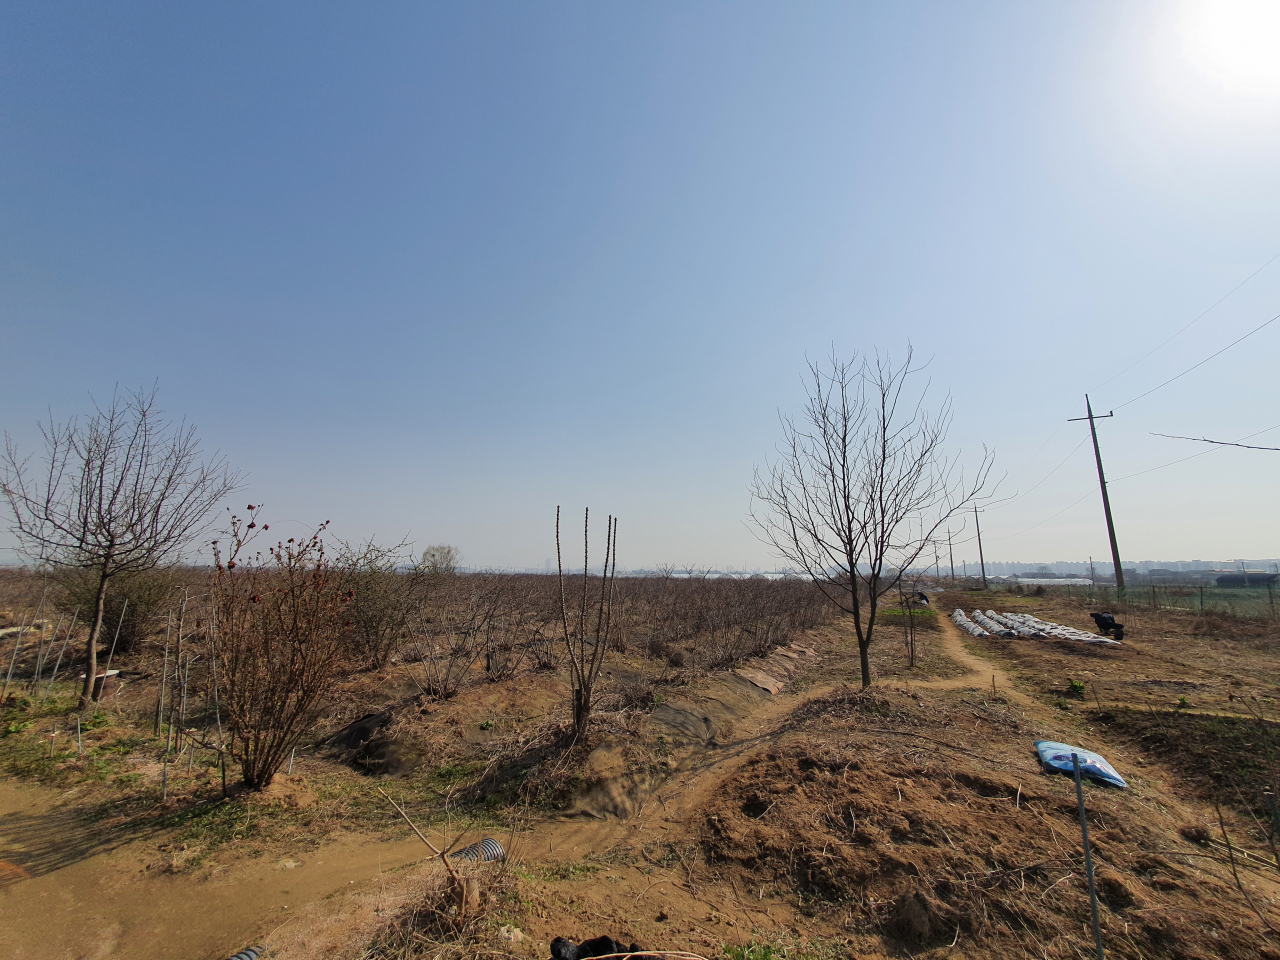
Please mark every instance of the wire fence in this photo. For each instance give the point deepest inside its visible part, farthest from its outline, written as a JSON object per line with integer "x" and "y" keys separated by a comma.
{"x": 1250, "y": 603}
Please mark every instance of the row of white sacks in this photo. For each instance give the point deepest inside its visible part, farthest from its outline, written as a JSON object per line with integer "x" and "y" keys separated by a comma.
{"x": 1012, "y": 625}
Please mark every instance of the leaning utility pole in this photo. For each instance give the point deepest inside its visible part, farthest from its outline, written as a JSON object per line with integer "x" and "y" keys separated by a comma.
{"x": 982, "y": 561}
{"x": 1106, "y": 502}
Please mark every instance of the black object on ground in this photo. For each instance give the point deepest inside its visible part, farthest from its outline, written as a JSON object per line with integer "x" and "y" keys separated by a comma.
{"x": 1107, "y": 625}
{"x": 563, "y": 949}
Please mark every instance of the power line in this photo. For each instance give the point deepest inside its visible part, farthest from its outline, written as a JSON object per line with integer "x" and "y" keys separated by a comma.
{"x": 1192, "y": 323}
{"x": 1220, "y": 443}
{"x": 1139, "y": 360}
{"x": 1031, "y": 458}
{"x": 1050, "y": 473}
{"x": 1073, "y": 503}
{"x": 1202, "y": 453}
{"x": 1129, "y": 476}
{"x": 1201, "y": 363}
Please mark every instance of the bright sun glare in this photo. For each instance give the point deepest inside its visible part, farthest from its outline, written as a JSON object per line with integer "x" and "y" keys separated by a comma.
{"x": 1235, "y": 44}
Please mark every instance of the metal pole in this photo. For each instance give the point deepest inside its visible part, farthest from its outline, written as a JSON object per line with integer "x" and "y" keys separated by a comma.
{"x": 1088, "y": 857}
{"x": 164, "y": 675}
{"x": 42, "y": 654}
{"x": 981, "y": 560}
{"x": 58, "y": 663}
{"x": 17, "y": 648}
{"x": 112, "y": 654}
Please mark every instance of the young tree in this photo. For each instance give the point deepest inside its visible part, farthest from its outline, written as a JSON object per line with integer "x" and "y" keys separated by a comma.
{"x": 122, "y": 492}
{"x": 587, "y": 645}
{"x": 862, "y": 487}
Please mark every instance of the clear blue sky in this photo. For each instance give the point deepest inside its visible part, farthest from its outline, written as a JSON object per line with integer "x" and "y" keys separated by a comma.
{"x": 433, "y": 269}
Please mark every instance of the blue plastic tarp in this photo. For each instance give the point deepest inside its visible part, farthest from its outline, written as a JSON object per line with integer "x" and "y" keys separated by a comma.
{"x": 1057, "y": 756}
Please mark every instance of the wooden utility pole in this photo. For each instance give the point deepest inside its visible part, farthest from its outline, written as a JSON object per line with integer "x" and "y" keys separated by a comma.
{"x": 981, "y": 560}
{"x": 1106, "y": 501}
{"x": 952, "y": 556}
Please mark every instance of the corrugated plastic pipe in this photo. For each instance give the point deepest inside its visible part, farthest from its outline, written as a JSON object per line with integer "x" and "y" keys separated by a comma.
{"x": 486, "y": 851}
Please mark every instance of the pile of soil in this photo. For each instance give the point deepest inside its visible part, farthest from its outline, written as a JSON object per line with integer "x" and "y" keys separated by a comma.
{"x": 911, "y": 845}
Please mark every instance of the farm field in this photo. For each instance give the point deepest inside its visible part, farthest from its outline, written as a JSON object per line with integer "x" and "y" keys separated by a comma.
{"x": 705, "y": 813}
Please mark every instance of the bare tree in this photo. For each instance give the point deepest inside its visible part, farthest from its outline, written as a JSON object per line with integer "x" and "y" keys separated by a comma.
{"x": 862, "y": 487}
{"x": 447, "y": 635}
{"x": 441, "y": 559}
{"x": 121, "y": 492}
{"x": 587, "y": 645}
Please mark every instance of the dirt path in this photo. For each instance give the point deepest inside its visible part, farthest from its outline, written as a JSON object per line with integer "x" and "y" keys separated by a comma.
{"x": 953, "y": 645}
{"x": 107, "y": 903}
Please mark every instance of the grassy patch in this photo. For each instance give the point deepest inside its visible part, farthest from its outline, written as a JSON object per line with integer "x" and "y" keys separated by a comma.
{"x": 562, "y": 870}
{"x": 926, "y": 618}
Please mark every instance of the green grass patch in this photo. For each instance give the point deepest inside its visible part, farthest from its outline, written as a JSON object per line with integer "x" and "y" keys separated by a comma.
{"x": 563, "y": 870}
{"x": 926, "y": 618}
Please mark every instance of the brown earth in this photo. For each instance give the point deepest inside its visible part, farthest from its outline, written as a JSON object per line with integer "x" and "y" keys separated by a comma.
{"x": 909, "y": 820}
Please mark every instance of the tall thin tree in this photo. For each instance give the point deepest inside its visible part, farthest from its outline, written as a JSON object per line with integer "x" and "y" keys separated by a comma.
{"x": 587, "y": 645}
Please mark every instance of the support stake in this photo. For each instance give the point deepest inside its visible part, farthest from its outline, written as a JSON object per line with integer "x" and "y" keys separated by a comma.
{"x": 1088, "y": 858}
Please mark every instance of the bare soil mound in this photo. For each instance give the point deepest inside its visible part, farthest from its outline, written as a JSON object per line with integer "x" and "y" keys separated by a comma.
{"x": 918, "y": 845}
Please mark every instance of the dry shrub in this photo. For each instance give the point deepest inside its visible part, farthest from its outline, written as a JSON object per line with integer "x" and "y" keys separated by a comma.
{"x": 388, "y": 586}
{"x": 536, "y": 764}
{"x": 444, "y": 923}
{"x": 503, "y": 619}
{"x": 629, "y": 693}
{"x": 134, "y": 604}
{"x": 20, "y": 592}
{"x": 719, "y": 621}
{"x": 281, "y": 623}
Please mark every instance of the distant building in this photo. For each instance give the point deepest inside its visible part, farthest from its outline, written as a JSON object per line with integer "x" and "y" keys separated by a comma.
{"x": 1247, "y": 578}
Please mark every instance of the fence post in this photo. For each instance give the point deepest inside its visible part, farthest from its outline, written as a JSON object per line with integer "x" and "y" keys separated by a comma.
{"x": 1088, "y": 857}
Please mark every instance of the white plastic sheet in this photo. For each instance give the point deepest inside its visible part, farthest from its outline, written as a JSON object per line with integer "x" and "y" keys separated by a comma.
{"x": 967, "y": 625}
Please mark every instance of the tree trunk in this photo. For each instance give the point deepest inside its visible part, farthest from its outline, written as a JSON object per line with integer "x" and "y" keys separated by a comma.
{"x": 866, "y": 663}
{"x": 91, "y": 671}
{"x": 581, "y": 711}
